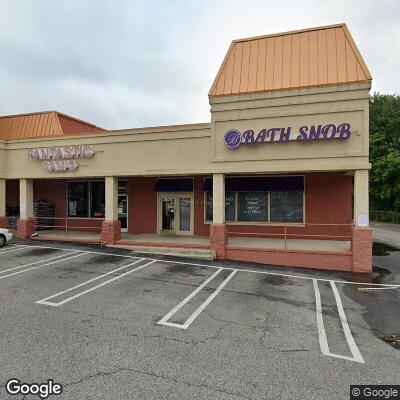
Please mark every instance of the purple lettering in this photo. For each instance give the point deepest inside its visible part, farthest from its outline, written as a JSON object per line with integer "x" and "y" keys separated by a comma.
{"x": 271, "y": 133}
{"x": 329, "y": 131}
{"x": 285, "y": 136}
{"x": 249, "y": 137}
{"x": 344, "y": 131}
{"x": 302, "y": 136}
{"x": 261, "y": 136}
{"x": 314, "y": 133}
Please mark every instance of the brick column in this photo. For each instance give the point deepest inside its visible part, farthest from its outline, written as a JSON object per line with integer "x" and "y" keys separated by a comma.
{"x": 25, "y": 228}
{"x": 26, "y": 222}
{"x": 111, "y": 228}
{"x": 3, "y": 219}
{"x": 110, "y": 232}
{"x": 218, "y": 238}
{"x": 362, "y": 249}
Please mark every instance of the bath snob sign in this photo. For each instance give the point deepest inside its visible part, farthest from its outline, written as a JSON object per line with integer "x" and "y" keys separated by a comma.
{"x": 56, "y": 159}
{"x": 234, "y": 138}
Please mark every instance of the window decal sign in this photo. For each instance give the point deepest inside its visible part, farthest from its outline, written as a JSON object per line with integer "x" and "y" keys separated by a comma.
{"x": 56, "y": 159}
{"x": 234, "y": 138}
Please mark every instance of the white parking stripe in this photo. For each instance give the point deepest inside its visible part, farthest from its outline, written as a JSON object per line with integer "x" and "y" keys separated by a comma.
{"x": 380, "y": 288}
{"x": 164, "y": 320}
{"x": 323, "y": 342}
{"x": 38, "y": 262}
{"x": 19, "y": 247}
{"x": 49, "y": 303}
{"x": 347, "y": 332}
{"x": 230, "y": 268}
{"x": 42, "y": 265}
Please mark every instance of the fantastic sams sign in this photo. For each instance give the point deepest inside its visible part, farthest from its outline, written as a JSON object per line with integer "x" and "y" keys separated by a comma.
{"x": 60, "y": 158}
{"x": 234, "y": 138}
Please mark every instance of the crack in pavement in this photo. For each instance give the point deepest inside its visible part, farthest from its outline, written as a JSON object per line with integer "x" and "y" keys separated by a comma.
{"x": 154, "y": 375}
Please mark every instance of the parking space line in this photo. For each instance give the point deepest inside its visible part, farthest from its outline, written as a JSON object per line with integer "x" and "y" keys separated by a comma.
{"x": 17, "y": 247}
{"x": 164, "y": 320}
{"x": 38, "y": 262}
{"x": 380, "y": 288}
{"x": 310, "y": 278}
{"x": 42, "y": 265}
{"x": 49, "y": 303}
{"x": 323, "y": 342}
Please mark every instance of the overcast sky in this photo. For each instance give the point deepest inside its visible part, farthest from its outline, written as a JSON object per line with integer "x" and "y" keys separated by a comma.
{"x": 128, "y": 63}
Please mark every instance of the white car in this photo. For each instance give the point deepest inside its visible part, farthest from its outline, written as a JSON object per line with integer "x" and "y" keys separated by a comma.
{"x": 5, "y": 236}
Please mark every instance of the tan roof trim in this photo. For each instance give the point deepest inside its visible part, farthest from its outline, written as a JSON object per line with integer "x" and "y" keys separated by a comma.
{"x": 78, "y": 119}
{"x": 57, "y": 120}
{"x": 316, "y": 28}
{"x": 116, "y": 132}
{"x": 26, "y": 114}
{"x": 357, "y": 53}
{"x": 221, "y": 68}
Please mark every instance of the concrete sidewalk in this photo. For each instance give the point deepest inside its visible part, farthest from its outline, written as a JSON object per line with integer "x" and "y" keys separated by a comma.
{"x": 386, "y": 233}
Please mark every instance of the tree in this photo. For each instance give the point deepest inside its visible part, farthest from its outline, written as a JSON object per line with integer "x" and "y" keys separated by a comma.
{"x": 385, "y": 152}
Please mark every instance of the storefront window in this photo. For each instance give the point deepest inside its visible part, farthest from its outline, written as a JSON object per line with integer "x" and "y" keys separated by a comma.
{"x": 252, "y": 206}
{"x": 78, "y": 199}
{"x": 209, "y": 206}
{"x": 86, "y": 199}
{"x": 260, "y": 206}
{"x": 286, "y": 206}
{"x": 97, "y": 199}
{"x": 230, "y": 206}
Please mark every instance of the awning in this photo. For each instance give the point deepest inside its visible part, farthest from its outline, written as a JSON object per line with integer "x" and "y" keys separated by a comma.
{"x": 174, "y": 185}
{"x": 259, "y": 184}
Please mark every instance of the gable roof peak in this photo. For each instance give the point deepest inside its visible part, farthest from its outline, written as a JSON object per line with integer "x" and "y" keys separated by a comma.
{"x": 312, "y": 57}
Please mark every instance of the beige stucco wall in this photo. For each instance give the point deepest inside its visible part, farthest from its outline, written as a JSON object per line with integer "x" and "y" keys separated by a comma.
{"x": 340, "y": 104}
{"x": 199, "y": 148}
{"x": 3, "y": 159}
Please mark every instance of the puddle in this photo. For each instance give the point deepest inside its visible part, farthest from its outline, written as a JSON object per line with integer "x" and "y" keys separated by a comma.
{"x": 381, "y": 249}
{"x": 106, "y": 259}
{"x": 379, "y": 274}
{"x": 277, "y": 280}
{"x": 38, "y": 252}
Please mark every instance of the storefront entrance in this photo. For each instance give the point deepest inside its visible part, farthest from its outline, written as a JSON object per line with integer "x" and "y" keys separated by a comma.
{"x": 175, "y": 213}
{"x": 123, "y": 204}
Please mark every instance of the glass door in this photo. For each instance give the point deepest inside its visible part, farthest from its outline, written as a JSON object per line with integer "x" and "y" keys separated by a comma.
{"x": 123, "y": 204}
{"x": 185, "y": 212}
{"x": 167, "y": 214}
{"x": 175, "y": 213}
{"x": 123, "y": 211}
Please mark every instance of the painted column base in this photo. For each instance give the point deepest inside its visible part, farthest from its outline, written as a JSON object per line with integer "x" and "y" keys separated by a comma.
{"x": 25, "y": 228}
{"x": 362, "y": 249}
{"x": 4, "y": 222}
{"x": 110, "y": 232}
{"x": 218, "y": 240}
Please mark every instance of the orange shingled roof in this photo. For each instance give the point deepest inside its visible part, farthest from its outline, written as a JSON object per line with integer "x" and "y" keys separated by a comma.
{"x": 312, "y": 57}
{"x": 42, "y": 124}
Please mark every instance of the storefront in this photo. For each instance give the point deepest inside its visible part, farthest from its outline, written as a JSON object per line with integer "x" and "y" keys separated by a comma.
{"x": 279, "y": 176}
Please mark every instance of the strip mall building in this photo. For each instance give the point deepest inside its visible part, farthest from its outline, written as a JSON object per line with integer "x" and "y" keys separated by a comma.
{"x": 279, "y": 176}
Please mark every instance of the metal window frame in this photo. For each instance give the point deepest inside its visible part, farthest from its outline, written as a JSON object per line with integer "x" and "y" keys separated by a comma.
{"x": 268, "y": 222}
{"x": 88, "y": 181}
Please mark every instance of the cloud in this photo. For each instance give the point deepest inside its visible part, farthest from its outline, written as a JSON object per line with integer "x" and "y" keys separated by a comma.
{"x": 129, "y": 63}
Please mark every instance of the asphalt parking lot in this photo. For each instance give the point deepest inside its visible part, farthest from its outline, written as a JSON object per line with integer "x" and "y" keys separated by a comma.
{"x": 110, "y": 324}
